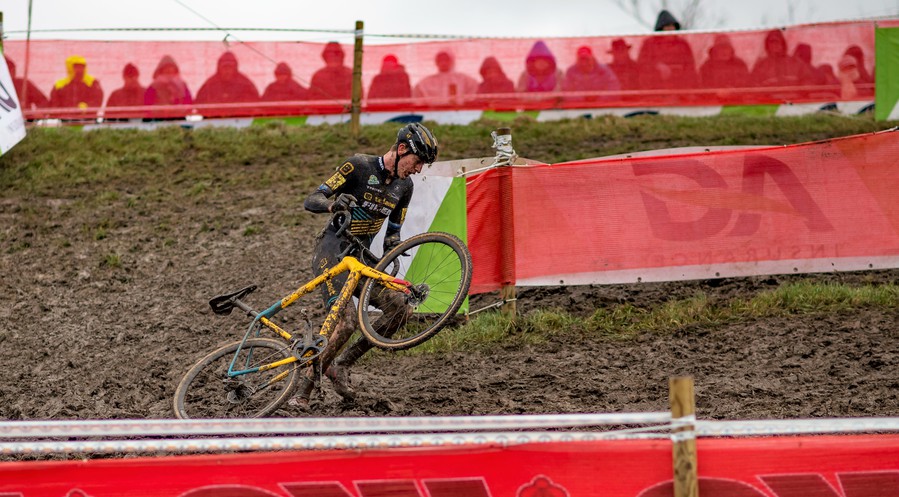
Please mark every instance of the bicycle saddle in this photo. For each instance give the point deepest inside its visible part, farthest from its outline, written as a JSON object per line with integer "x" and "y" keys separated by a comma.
{"x": 224, "y": 303}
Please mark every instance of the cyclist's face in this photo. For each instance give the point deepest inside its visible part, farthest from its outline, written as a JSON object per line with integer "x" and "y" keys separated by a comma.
{"x": 409, "y": 164}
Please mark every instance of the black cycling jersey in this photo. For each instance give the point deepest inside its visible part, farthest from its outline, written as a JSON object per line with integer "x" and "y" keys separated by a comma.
{"x": 364, "y": 177}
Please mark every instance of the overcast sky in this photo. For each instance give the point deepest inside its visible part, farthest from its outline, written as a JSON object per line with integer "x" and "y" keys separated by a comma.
{"x": 524, "y": 18}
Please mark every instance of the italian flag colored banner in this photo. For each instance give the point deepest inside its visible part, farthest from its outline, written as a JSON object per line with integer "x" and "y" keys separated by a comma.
{"x": 438, "y": 204}
{"x": 12, "y": 125}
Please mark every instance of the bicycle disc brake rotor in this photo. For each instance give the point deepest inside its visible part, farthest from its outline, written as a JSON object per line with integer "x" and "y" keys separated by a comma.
{"x": 418, "y": 294}
{"x": 237, "y": 390}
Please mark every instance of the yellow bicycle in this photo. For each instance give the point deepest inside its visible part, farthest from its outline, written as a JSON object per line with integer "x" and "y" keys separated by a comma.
{"x": 253, "y": 377}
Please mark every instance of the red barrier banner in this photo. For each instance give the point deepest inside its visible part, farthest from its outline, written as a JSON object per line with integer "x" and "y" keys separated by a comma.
{"x": 821, "y": 466}
{"x": 813, "y": 207}
{"x": 830, "y": 62}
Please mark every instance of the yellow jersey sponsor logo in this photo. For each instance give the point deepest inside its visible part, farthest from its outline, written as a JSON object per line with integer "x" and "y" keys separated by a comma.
{"x": 345, "y": 169}
{"x": 335, "y": 181}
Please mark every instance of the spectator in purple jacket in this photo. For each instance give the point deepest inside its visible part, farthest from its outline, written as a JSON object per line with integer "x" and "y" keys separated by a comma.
{"x": 227, "y": 85}
{"x": 541, "y": 72}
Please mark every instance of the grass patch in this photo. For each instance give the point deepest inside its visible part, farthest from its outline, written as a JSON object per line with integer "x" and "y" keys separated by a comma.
{"x": 621, "y": 322}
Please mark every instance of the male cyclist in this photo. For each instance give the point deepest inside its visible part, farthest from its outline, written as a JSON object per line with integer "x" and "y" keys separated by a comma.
{"x": 370, "y": 189}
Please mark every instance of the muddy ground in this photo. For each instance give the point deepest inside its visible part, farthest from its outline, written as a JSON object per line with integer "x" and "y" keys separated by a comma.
{"x": 103, "y": 308}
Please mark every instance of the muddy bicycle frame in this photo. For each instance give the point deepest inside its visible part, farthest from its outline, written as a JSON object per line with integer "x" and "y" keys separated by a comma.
{"x": 312, "y": 348}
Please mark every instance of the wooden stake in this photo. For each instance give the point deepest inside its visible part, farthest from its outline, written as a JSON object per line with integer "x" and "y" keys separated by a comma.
{"x": 507, "y": 236}
{"x": 357, "y": 82}
{"x": 683, "y": 410}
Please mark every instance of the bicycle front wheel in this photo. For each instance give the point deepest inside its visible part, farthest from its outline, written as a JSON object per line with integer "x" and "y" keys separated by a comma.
{"x": 439, "y": 267}
{"x": 207, "y": 392}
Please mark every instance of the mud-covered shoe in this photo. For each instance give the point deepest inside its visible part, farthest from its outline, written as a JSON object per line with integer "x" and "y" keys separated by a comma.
{"x": 303, "y": 395}
{"x": 340, "y": 379}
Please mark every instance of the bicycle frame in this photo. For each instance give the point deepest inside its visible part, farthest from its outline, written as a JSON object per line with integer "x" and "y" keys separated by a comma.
{"x": 356, "y": 271}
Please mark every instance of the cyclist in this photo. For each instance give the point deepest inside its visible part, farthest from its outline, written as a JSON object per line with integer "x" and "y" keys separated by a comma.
{"x": 370, "y": 189}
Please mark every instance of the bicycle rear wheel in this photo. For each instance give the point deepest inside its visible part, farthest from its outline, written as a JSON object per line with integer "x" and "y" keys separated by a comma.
{"x": 439, "y": 267}
{"x": 207, "y": 392}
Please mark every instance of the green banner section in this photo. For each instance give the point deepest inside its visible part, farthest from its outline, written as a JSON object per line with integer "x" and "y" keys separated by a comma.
{"x": 750, "y": 110}
{"x": 886, "y": 77}
{"x": 450, "y": 218}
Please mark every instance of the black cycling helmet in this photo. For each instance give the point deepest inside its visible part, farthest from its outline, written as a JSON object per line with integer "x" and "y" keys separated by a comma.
{"x": 420, "y": 140}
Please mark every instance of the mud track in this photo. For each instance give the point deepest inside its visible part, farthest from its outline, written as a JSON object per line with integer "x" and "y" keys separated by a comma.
{"x": 103, "y": 309}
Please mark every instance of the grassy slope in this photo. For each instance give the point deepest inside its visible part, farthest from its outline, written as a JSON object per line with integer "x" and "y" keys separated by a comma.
{"x": 174, "y": 165}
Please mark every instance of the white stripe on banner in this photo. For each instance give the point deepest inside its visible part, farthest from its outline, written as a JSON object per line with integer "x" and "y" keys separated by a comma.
{"x": 738, "y": 269}
{"x": 429, "y": 192}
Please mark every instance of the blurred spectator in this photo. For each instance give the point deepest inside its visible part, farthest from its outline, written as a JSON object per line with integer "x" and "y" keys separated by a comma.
{"x": 626, "y": 69}
{"x": 777, "y": 67}
{"x": 849, "y": 76}
{"x": 284, "y": 88}
{"x": 227, "y": 85}
{"x": 167, "y": 87}
{"x": 667, "y": 61}
{"x": 494, "y": 79}
{"x": 817, "y": 75}
{"x": 131, "y": 93}
{"x": 335, "y": 80}
{"x": 392, "y": 81}
{"x": 78, "y": 88}
{"x": 33, "y": 98}
{"x": 588, "y": 74}
{"x": 447, "y": 82}
{"x": 540, "y": 73}
{"x": 856, "y": 53}
{"x": 723, "y": 69}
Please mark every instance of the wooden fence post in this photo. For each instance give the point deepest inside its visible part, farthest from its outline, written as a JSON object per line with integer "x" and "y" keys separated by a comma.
{"x": 504, "y": 158}
{"x": 357, "y": 82}
{"x": 683, "y": 410}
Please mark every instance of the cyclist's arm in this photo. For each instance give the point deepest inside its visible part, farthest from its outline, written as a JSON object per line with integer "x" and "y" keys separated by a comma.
{"x": 398, "y": 216}
{"x": 320, "y": 200}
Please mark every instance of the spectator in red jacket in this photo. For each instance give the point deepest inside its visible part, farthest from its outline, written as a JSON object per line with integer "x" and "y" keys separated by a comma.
{"x": 78, "y": 89}
{"x": 392, "y": 81}
{"x": 777, "y": 67}
{"x": 131, "y": 93}
{"x": 167, "y": 87}
{"x": 667, "y": 59}
{"x": 284, "y": 88}
{"x": 227, "y": 85}
{"x": 723, "y": 69}
{"x": 335, "y": 80}
{"x": 446, "y": 82}
{"x": 33, "y": 98}
{"x": 626, "y": 69}
{"x": 588, "y": 74}
{"x": 493, "y": 78}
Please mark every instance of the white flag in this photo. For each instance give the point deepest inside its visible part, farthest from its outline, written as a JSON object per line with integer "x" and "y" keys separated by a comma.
{"x": 12, "y": 124}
